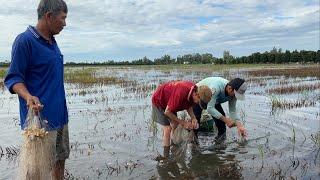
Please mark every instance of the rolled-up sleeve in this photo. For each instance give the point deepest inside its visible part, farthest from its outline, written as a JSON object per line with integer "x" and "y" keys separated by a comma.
{"x": 211, "y": 107}
{"x": 18, "y": 65}
{"x": 233, "y": 109}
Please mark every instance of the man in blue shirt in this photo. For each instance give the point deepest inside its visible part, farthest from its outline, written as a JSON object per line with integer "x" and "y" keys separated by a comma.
{"x": 36, "y": 75}
{"x": 223, "y": 91}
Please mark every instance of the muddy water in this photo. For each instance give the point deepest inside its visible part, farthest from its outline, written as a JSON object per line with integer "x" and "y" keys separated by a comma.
{"x": 111, "y": 138}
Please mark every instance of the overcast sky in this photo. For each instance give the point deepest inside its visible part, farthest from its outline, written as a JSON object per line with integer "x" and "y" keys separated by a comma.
{"x": 127, "y": 30}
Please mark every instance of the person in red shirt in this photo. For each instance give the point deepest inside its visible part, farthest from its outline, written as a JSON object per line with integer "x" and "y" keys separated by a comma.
{"x": 174, "y": 96}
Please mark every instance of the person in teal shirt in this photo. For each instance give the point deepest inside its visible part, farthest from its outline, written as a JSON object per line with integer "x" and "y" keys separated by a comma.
{"x": 223, "y": 91}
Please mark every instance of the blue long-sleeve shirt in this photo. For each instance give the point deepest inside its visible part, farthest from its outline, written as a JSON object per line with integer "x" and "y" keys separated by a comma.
{"x": 39, "y": 65}
{"x": 217, "y": 85}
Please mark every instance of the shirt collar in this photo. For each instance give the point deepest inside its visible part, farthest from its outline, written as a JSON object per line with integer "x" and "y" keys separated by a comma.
{"x": 225, "y": 92}
{"x": 36, "y": 34}
{"x": 190, "y": 92}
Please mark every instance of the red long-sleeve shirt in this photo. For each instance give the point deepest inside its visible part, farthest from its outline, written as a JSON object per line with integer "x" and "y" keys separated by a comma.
{"x": 177, "y": 95}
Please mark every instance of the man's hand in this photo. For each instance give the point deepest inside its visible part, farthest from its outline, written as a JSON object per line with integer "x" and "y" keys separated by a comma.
{"x": 241, "y": 130}
{"x": 195, "y": 124}
{"x": 229, "y": 122}
{"x": 194, "y": 120}
{"x": 187, "y": 124}
{"x": 34, "y": 103}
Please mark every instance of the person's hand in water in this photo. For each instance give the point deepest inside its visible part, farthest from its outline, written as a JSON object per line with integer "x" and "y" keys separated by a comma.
{"x": 229, "y": 122}
{"x": 232, "y": 123}
{"x": 241, "y": 129}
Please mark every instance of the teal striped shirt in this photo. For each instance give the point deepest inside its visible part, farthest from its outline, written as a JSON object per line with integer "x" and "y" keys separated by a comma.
{"x": 217, "y": 85}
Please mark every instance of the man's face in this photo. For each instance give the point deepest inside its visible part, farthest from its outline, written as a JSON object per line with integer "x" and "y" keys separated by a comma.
{"x": 57, "y": 22}
{"x": 196, "y": 98}
{"x": 230, "y": 91}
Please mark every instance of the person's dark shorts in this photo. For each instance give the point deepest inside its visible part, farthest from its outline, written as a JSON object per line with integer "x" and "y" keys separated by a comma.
{"x": 60, "y": 140}
{"x": 159, "y": 117}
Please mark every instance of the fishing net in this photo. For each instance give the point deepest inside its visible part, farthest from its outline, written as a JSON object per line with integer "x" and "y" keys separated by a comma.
{"x": 38, "y": 150}
{"x": 180, "y": 135}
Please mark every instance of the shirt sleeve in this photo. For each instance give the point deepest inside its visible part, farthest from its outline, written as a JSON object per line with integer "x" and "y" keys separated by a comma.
{"x": 233, "y": 109}
{"x": 211, "y": 106}
{"x": 18, "y": 66}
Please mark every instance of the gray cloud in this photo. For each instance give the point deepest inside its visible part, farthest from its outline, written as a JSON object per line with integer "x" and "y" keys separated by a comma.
{"x": 127, "y": 29}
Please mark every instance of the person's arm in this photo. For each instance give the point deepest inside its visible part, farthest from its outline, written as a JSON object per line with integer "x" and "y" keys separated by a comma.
{"x": 233, "y": 109}
{"x": 190, "y": 112}
{"x": 241, "y": 129}
{"x": 21, "y": 90}
{"x": 215, "y": 113}
{"x": 15, "y": 78}
{"x": 32, "y": 101}
{"x": 234, "y": 123}
{"x": 235, "y": 118}
{"x": 173, "y": 117}
{"x": 194, "y": 120}
{"x": 228, "y": 121}
{"x": 211, "y": 107}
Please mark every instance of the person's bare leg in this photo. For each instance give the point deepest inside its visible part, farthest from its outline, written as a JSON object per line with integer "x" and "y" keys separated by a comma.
{"x": 58, "y": 170}
{"x": 173, "y": 125}
{"x": 166, "y": 140}
{"x": 166, "y": 135}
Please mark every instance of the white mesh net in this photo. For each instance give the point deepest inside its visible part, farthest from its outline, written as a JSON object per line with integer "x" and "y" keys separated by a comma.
{"x": 37, "y": 155}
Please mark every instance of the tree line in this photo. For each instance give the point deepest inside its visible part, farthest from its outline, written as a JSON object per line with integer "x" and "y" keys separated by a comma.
{"x": 275, "y": 56}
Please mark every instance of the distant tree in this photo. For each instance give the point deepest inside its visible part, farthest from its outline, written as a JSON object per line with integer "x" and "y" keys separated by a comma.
{"x": 207, "y": 58}
{"x": 256, "y": 57}
{"x": 187, "y": 58}
{"x": 295, "y": 56}
{"x": 287, "y": 56}
{"x": 146, "y": 61}
{"x": 277, "y": 58}
{"x": 318, "y": 56}
{"x": 227, "y": 57}
{"x": 179, "y": 60}
{"x": 218, "y": 61}
{"x": 197, "y": 59}
{"x": 274, "y": 50}
{"x": 273, "y": 56}
{"x": 241, "y": 59}
{"x": 264, "y": 57}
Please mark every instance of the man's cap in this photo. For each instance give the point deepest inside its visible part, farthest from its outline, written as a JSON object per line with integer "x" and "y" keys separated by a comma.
{"x": 239, "y": 87}
{"x": 205, "y": 94}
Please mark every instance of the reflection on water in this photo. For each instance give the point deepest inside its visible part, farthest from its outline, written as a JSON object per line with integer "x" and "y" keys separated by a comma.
{"x": 190, "y": 160}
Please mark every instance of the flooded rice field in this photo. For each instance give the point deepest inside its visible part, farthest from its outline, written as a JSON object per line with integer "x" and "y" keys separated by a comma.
{"x": 112, "y": 135}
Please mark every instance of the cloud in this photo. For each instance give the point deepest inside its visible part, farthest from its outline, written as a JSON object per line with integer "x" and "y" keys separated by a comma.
{"x": 127, "y": 29}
